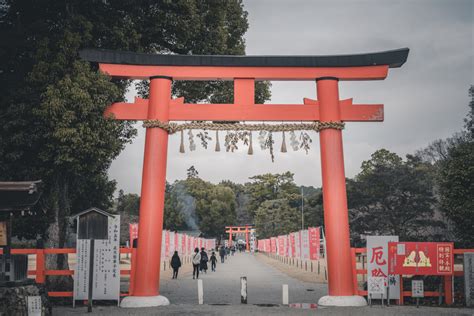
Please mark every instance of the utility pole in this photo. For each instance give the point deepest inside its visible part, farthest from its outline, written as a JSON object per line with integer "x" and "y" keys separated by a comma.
{"x": 302, "y": 214}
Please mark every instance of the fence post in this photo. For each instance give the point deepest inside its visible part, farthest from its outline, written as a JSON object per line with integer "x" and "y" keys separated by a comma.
{"x": 448, "y": 289}
{"x": 400, "y": 302}
{"x": 40, "y": 277}
{"x": 354, "y": 271}
{"x": 132, "y": 271}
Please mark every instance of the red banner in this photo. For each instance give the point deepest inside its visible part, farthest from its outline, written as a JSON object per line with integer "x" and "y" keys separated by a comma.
{"x": 314, "y": 240}
{"x": 281, "y": 245}
{"x": 292, "y": 245}
{"x": 420, "y": 258}
{"x": 176, "y": 242}
{"x": 167, "y": 242}
{"x": 268, "y": 245}
{"x": 274, "y": 244}
{"x": 133, "y": 231}
{"x": 184, "y": 244}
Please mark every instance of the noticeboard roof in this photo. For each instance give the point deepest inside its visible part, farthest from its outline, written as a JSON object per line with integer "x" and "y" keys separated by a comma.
{"x": 93, "y": 209}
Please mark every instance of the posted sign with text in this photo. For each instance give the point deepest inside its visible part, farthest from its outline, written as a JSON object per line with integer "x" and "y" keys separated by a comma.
{"x": 377, "y": 267}
{"x": 421, "y": 258}
{"x": 106, "y": 265}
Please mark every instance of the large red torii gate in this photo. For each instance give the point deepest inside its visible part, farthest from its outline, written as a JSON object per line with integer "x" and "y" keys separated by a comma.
{"x": 327, "y": 71}
{"x": 231, "y": 230}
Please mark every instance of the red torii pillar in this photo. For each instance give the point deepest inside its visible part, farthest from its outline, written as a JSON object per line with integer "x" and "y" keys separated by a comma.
{"x": 243, "y": 70}
{"x": 152, "y": 193}
{"x": 336, "y": 218}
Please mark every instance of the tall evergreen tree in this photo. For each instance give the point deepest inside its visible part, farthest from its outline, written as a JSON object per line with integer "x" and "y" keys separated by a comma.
{"x": 393, "y": 197}
{"x": 456, "y": 182}
{"x": 51, "y": 105}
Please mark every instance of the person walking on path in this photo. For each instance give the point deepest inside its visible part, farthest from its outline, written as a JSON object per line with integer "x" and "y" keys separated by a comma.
{"x": 196, "y": 263}
{"x": 222, "y": 254}
{"x": 175, "y": 264}
{"x": 204, "y": 260}
{"x": 213, "y": 261}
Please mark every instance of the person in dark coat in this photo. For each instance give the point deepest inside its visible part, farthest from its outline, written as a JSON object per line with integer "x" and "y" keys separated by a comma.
{"x": 222, "y": 254}
{"x": 175, "y": 264}
{"x": 213, "y": 261}
{"x": 204, "y": 260}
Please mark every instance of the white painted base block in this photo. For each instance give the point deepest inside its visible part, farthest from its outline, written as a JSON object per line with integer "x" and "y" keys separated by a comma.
{"x": 354, "y": 300}
{"x": 144, "y": 301}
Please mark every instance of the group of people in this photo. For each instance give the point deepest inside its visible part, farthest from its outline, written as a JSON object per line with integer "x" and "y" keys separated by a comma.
{"x": 200, "y": 260}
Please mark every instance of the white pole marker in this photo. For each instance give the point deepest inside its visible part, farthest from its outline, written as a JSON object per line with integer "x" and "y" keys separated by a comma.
{"x": 285, "y": 294}
{"x": 200, "y": 293}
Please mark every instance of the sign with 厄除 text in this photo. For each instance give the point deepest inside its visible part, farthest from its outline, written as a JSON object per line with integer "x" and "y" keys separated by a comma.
{"x": 421, "y": 258}
{"x": 377, "y": 267}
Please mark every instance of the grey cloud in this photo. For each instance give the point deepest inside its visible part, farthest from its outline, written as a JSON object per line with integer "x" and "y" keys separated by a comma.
{"x": 424, "y": 100}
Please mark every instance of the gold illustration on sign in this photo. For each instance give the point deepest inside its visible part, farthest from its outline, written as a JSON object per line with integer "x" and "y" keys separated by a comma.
{"x": 411, "y": 260}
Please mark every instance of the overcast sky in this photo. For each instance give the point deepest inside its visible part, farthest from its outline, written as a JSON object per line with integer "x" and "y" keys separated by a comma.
{"x": 424, "y": 100}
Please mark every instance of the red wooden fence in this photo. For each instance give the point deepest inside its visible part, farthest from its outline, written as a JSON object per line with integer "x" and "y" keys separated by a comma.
{"x": 448, "y": 280}
{"x": 40, "y": 272}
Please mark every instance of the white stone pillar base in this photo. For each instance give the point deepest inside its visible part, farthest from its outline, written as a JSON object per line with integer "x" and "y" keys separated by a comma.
{"x": 355, "y": 300}
{"x": 144, "y": 301}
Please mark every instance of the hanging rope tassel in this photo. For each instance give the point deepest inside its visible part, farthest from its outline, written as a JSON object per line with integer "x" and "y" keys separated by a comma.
{"x": 218, "y": 146}
{"x": 283, "y": 144}
{"x": 250, "y": 152}
{"x": 181, "y": 146}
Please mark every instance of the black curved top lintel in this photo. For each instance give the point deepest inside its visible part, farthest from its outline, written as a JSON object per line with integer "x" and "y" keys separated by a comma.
{"x": 393, "y": 58}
